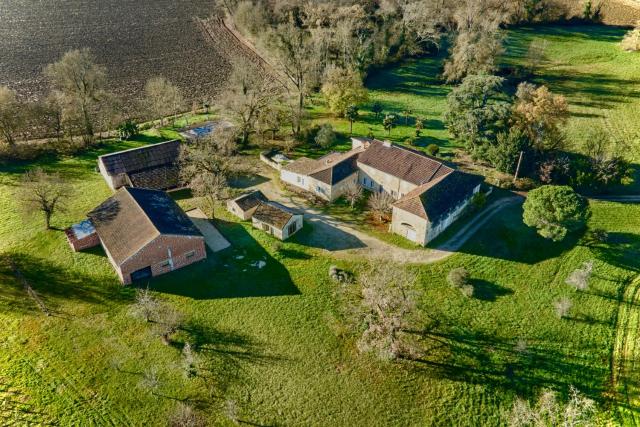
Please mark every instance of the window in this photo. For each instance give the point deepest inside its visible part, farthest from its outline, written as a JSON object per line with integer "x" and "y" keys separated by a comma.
{"x": 165, "y": 263}
{"x": 266, "y": 227}
{"x": 292, "y": 228}
{"x": 190, "y": 254}
{"x": 299, "y": 179}
{"x": 320, "y": 189}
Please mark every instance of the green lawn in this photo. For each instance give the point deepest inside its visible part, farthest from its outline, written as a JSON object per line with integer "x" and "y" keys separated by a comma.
{"x": 266, "y": 336}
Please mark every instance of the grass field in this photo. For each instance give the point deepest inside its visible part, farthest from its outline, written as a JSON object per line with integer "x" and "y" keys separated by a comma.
{"x": 582, "y": 62}
{"x": 265, "y": 336}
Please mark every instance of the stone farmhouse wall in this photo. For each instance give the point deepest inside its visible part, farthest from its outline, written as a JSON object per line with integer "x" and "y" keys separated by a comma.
{"x": 454, "y": 214}
{"x": 375, "y": 180}
{"x": 277, "y": 233}
{"x": 318, "y": 188}
{"x": 114, "y": 182}
{"x": 163, "y": 254}
{"x": 81, "y": 244}
{"x": 403, "y": 221}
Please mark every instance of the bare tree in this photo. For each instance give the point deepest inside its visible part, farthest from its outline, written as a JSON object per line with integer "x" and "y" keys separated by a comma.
{"x": 185, "y": 416}
{"x": 231, "y": 411}
{"x": 168, "y": 321}
{"x": 44, "y": 192}
{"x": 248, "y": 96}
{"x": 189, "y": 360}
{"x": 146, "y": 305}
{"x": 380, "y": 204}
{"x": 386, "y": 304}
{"x": 82, "y": 83}
{"x": 478, "y": 40}
{"x": 579, "y": 278}
{"x": 150, "y": 380}
{"x": 290, "y": 45}
{"x": 206, "y": 170}
{"x": 353, "y": 193}
{"x": 459, "y": 278}
{"x": 162, "y": 98}
{"x": 563, "y": 307}
{"x": 548, "y": 411}
{"x": 9, "y": 115}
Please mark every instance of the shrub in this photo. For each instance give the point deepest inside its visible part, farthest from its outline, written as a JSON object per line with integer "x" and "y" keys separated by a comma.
{"x": 631, "y": 41}
{"x": 467, "y": 290}
{"x": 326, "y": 137}
{"x": 433, "y": 149}
{"x": 479, "y": 200}
{"x": 458, "y": 277}
{"x": 525, "y": 184}
{"x": 563, "y": 307}
{"x": 128, "y": 129}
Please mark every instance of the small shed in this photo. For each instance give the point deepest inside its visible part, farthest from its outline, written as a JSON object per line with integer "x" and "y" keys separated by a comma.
{"x": 277, "y": 220}
{"x": 244, "y": 206}
{"x": 82, "y": 236}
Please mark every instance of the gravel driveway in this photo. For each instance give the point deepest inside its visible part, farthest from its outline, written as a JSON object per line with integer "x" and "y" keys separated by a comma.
{"x": 344, "y": 241}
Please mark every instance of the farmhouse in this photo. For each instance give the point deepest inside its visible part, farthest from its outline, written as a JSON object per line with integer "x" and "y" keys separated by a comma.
{"x": 245, "y": 205}
{"x": 276, "y": 220}
{"x": 326, "y": 177}
{"x": 152, "y": 166}
{"x": 145, "y": 233}
{"x": 425, "y": 212}
{"x": 430, "y": 194}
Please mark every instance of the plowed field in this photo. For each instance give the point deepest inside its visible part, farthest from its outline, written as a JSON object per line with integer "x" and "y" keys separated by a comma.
{"x": 134, "y": 39}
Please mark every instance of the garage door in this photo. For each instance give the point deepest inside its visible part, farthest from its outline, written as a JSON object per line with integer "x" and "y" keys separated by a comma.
{"x": 411, "y": 234}
{"x": 143, "y": 273}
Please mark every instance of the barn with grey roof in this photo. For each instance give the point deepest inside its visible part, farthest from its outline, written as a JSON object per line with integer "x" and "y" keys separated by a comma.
{"x": 145, "y": 233}
{"x": 152, "y": 166}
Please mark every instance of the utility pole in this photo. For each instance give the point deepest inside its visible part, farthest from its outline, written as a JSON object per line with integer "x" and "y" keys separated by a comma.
{"x": 515, "y": 177}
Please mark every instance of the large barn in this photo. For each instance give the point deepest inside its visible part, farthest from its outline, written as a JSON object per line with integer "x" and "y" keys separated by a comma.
{"x": 152, "y": 166}
{"x": 145, "y": 233}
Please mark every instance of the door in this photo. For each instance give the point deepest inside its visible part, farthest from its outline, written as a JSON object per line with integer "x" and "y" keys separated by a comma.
{"x": 411, "y": 234}
{"x": 143, "y": 273}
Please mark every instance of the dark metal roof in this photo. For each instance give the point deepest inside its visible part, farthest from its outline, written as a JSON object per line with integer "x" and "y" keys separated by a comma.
{"x": 408, "y": 165}
{"x": 152, "y": 166}
{"x": 133, "y": 217}
{"x": 250, "y": 200}
{"x": 434, "y": 200}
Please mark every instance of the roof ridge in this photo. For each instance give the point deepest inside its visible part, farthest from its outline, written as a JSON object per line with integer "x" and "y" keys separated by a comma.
{"x": 139, "y": 148}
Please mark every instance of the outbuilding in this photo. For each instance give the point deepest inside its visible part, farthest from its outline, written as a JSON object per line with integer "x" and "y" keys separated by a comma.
{"x": 244, "y": 206}
{"x": 152, "y": 166}
{"x": 277, "y": 220}
{"x": 145, "y": 233}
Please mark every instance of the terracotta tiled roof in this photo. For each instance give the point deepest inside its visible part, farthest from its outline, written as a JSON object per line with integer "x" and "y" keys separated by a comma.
{"x": 152, "y": 166}
{"x": 335, "y": 167}
{"x": 433, "y": 200}
{"x": 408, "y": 165}
{"x": 133, "y": 217}
{"x": 273, "y": 214}
{"x": 250, "y": 200}
{"x": 330, "y": 169}
{"x": 302, "y": 166}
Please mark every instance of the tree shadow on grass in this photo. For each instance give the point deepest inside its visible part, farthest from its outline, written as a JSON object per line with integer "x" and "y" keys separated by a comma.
{"x": 473, "y": 357}
{"x": 322, "y": 234}
{"x": 224, "y": 355}
{"x": 621, "y": 250}
{"x": 231, "y": 273}
{"x": 54, "y": 285}
{"x": 487, "y": 291}
{"x": 506, "y": 237}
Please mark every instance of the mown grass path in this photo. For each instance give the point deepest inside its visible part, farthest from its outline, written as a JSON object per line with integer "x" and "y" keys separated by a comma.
{"x": 625, "y": 360}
